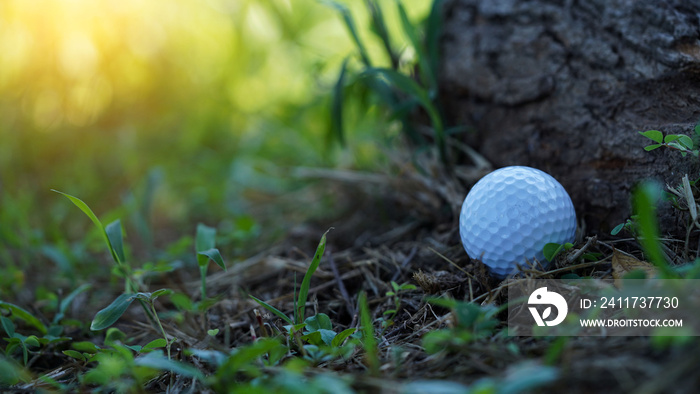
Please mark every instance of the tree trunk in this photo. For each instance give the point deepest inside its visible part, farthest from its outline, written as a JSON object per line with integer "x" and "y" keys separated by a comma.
{"x": 565, "y": 86}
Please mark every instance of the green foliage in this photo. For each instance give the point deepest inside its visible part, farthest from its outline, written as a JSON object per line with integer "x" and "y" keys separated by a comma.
{"x": 369, "y": 342}
{"x": 122, "y": 130}
{"x": 18, "y": 341}
{"x": 272, "y": 309}
{"x": 205, "y": 242}
{"x": 318, "y": 331}
{"x": 157, "y": 361}
{"x": 66, "y": 302}
{"x": 680, "y": 142}
{"x": 306, "y": 282}
{"x": 474, "y": 323}
{"x": 24, "y": 315}
{"x": 645, "y": 198}
{"x": 247, "y": 361}
{"x": 113, "y": 238}
{"x": 629, "y": 225}
{"x": 303, "y": 289}
{"x": 109, "y": 315}
{"x": 399, "y": 91}
{"x": 322, "y": 342}
{"x": 551, "y": 250}
{"x": 390, "y": 314}
{"x": 11, "y": 373}
{"x": 439, "y": 386}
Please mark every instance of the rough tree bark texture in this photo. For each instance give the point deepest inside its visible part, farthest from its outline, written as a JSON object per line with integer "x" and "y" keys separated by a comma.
{"x": 565, "y": 86}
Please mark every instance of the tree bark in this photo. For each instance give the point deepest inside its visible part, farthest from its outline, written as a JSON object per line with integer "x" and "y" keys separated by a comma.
{"x": 565, "y": 86}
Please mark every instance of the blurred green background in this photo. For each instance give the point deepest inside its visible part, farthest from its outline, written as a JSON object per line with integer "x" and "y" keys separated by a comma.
{"x": 167, "y": 113}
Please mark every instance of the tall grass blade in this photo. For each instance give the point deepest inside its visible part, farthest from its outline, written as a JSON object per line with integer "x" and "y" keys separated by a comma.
{"x": 294, "y": 299}
{"x": 378, "y": 27}
{"x": 86, "y": 209}
{"x": 306, "y": 282}
{"x": 350, "y": 24}
{"x": 369, "y": 341}
{"x": 413, "y": 89}
{"x": 337, "y": 106}
{"x": 426, "y": 72}
{"x": 433, "y": 31}
{"x": 645, "y": 199}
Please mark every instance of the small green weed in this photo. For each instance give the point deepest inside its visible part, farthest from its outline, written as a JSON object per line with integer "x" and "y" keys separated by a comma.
{"x": 389, "y": 315}
{"x": 322, "y": 342}
{"x": 683, "y": 197}
{"x": 113, "y": 236}
{"x": 552, "y": 250}
{"x": 205, "y": 242}
{"x": 368, "y": 339}
{"x": 473, "y": 323}
{"x": 679, "y": 142}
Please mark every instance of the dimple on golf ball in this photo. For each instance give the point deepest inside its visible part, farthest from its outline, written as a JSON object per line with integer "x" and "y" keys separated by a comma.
{"x": 511, "y": 214}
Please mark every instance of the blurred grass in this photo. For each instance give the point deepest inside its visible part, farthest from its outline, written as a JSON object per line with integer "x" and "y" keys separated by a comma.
{"x": 167, "y": 113}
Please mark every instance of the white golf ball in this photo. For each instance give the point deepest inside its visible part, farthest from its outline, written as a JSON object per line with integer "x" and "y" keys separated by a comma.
{"x": 510, "y": 214}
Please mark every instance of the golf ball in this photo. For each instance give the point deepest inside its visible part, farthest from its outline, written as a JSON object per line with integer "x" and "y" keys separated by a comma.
{"x": 510, "y": 214}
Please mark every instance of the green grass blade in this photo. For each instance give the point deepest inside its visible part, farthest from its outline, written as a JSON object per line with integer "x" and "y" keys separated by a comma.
{"x": 645, "y": 199}
{"x": 116, "y": 239}
{"x": 24, "y": 315}
{"x": 273, "y": 310}
{"x": 401, "y": 82}
{"x": 109, "y": 315}
{"x": 350, "y": 25}
{"x": 294, "y": 298}
{"x": 65, "y": 303}
{"x": 433, "y": 31}
{"x": 689, "y": 198}
{"x": 83, "y": 207}
{"x": 378, "y": 27}
{"x": 86, "y": 210}
{"x": 337, "y": 106}
{"x": 306, "y": 282}
{"x": 368, "y": 340}
{"x": 215, "y": 256}
{"x": 157, "y": 360}
{"x": 412, "y": 88}
{"x": 426, "y": 73}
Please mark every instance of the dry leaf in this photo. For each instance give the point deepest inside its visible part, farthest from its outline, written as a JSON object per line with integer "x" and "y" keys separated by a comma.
{"x": 623, "y": 264}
